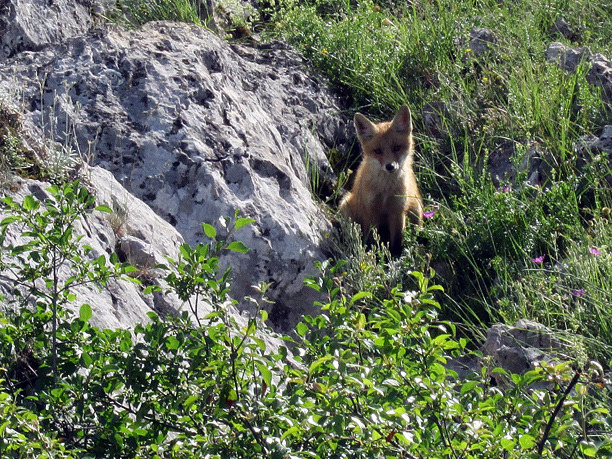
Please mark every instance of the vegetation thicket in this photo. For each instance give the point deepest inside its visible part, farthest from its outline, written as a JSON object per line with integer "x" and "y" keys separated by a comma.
{"x": 371, "y": 376}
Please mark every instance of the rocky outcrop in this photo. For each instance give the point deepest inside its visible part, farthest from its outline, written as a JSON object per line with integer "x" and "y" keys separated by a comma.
{"x": 141, "y": 236}
{"x": 197, "y": 128}
{"x": 29, "y": 25}
{"x": 516, "y": 349}
{"x": 522, "y": 347}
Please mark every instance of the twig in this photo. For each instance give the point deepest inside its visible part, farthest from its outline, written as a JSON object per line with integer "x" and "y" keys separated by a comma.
{"x": 556, "y": 411}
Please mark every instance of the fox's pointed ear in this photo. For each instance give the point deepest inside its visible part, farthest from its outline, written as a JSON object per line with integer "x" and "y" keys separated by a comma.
{"x": 364, "y": 127}
{"x": 402, "y": 123}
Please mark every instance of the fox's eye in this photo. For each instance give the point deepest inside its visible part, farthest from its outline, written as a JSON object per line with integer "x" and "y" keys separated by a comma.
{"x": 397, "y": 148}
{"x": 378, "y": 151}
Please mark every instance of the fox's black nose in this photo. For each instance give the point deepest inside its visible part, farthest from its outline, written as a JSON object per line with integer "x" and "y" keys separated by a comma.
{"x": 391, "y": 167}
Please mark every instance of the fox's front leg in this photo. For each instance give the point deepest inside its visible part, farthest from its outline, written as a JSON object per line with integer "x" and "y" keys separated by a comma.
{"x": 397, "y": 223}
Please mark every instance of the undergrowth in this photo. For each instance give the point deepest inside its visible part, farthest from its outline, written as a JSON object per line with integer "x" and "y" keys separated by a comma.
{"x": 368, "y": 377}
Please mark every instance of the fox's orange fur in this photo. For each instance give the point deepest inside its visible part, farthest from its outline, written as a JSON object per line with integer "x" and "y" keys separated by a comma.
{"x": 385, "y": 191}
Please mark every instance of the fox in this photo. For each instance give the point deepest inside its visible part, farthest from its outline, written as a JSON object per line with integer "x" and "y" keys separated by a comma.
{"x": 385, "y": 191}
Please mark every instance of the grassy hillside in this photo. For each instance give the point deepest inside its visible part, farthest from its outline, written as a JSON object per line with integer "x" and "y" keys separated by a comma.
{"x": 474, "y": 105}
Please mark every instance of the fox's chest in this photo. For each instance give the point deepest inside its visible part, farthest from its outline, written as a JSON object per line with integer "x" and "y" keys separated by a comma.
{"x": 385, "y": 196}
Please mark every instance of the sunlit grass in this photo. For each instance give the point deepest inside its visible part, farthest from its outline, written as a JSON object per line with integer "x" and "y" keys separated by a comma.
{"x": 482, "y": 237}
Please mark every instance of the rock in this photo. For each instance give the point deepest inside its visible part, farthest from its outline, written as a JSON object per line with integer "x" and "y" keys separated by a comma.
{"x": 521, "y": 348}
{"x": 502, "y": 165}
{"x": 601, "y": 144}
{"x": 565, "y": 57}
{"x": 600, "y": 75}
{"x": 481, "y": 40}
{"x": 563, "y": 28}
{"x": 591, "y": 148}
{"x": 28, "y": 25}
{"x": 568, "y": 59}
{"x": 197, "y": 128}
{"x": 437, "y": 117}
{"x": 120, "y": 304}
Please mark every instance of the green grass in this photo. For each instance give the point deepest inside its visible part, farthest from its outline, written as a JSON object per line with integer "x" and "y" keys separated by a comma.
{"x": 137, "y": 12}
{"x": 484, "y": 235}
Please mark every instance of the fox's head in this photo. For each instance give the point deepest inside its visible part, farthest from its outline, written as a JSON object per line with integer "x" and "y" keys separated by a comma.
{"x": 389, "y": 143}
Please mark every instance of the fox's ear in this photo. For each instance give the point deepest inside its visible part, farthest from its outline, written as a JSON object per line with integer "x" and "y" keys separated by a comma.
{"x": 364, "y": 127}
{"x": 402, "y": 123}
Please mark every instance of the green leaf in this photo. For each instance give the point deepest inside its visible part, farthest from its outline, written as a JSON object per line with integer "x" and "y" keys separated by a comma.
{"x": 266, "y": 374}
{"x": 588, "y": 449}
{"x": 9, "y": 201}
{"x": 103, "y": 208}
{"x": 8, "y": 220}
{"x": 85, "y": 313}
{"x": 172, "y": 343}
{"x": 317, "y": 363}
{"x": 209, "y": 230}
{"x": 468, "y": 386}
{"x": 507, "y": 444}
{"x": 360, "y": 295}
{"x": 243, "y": 222}
{"x": 301, "y": 329}
{"x": 190, "y": 401}
{"x": 152, "y": 288}
{"x": 29, "y": 203}
{"x": 87, "y": 360}
{"x": 238, "y": 246}
{"x": 527, "y": 441}
{"x": 361, "y": 321}
{"x": 290, "y": 431}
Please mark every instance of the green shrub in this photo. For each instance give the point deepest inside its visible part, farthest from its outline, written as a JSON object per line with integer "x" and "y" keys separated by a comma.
{"x": 367, "y": 377}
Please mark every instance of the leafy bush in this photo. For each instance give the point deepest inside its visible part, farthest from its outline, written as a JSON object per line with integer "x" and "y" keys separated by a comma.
{"x": 368, "y": 377}
{"x": 21, "y": 434}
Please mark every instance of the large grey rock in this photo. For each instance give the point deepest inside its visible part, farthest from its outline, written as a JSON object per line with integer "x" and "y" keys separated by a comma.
{"x": 505, "y": 169}
{"x": 32, "y": 24}
{"x": 481, "y": 40}
{"x": 600, "y": 74}
{"x": 521, "y": 348}
{"x": 120, "y": 303}
{"x": 140, "y": 237}
{"x": 515, "y": 349}
{"x": 197, "y": 128}
{"x": 592, "y": 145}
{"x": 566, "y": 57}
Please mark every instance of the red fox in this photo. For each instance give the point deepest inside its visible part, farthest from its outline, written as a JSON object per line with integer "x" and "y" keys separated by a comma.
{"x": 385, "y": 189}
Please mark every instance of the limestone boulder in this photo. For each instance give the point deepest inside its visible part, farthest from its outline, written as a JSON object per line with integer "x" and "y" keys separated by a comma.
{"x": 32, "y": 24}
{"x": 120, "y": 303}
{"x": 521, "y": 347}
{"x": 197, "y": 128}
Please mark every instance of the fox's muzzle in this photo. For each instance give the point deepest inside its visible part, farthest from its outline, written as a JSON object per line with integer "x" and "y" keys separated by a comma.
{"x": 391, "y": 167}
